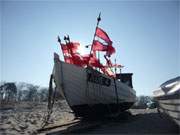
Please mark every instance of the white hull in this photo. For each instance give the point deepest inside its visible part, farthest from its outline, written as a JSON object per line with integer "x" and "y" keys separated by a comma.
{"x": 72, "y": 81}
{"x": 168, "y": 98}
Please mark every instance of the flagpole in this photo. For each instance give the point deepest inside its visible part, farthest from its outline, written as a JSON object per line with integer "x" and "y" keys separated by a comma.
{"x": 66, "y": 38}
{"x": 115, "y": 67}
{"x": 59, "y": 40}
{"x": 98, "y": 20}
{"x": 68, "y": 49}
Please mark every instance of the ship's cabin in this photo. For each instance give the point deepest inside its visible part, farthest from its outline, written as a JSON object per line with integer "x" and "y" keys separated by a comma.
{"x": 125, "y": 78}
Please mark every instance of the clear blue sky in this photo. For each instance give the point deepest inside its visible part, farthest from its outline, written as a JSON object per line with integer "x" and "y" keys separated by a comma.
{"x": 145, "y": 34}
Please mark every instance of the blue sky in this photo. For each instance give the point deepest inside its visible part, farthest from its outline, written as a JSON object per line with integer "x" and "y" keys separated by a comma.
{"x": 144, "y": 33}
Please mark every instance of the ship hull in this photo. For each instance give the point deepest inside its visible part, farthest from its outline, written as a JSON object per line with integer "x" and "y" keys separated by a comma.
{"x": 88, "y": 92}
{"x": 98, "y": 110}
{"x": 168, "y": 99}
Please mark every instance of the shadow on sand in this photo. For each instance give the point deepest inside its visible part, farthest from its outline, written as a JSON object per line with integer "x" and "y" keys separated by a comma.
{"x": 126, "y": 123}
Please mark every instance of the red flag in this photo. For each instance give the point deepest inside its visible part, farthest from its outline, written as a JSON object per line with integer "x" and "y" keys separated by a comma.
{"x": 66, "y": 54}
{"x": 101, "y": 47}
{"x": 95, "y": 62}
{"x": 73, "y": 46}
{"x": 102, "y": 34}
{"x": 110, "y": 50}
{"x": 91, "y": 60}
{"x": 71, "y": 55}
{"x": 86, "y": 59}
{"x": 64, "y": 48}
{"x": 78, "y": 60}
{"x": 97, "y": 46}
{"x": 68, "y": 59}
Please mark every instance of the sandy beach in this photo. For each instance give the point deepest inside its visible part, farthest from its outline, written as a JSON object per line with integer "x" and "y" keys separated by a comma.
{"x": 26, "y": 118}
{"x": 139, "y": 121}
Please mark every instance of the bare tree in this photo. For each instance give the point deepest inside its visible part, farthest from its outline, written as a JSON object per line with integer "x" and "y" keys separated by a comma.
{"x": 32, "y": 95}
{"x": 22, "y": 91}
{"x": 8, "y": 92}
{"x": 43, "y": 93}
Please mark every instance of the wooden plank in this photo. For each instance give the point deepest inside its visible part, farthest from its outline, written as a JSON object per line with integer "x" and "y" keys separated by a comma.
{"x": 50, "y": 127}
{"x": 173, "y": 115}
{"x": 171, "y": 107}
{"x": 77, "y": 128}
{"x": 170, "y": 101}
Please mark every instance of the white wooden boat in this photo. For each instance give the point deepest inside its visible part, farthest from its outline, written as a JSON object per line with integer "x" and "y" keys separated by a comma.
{"x": 168, "y": 98}
{"x": 89, "y": 92}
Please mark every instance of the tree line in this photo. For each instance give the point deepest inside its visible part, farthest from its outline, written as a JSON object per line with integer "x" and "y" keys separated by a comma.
{"x": 22, "y": 91}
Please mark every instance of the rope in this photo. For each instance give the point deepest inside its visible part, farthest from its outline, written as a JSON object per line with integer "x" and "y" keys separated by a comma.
{"x": 116, "y": 92}
{"x": 51, "y": 99}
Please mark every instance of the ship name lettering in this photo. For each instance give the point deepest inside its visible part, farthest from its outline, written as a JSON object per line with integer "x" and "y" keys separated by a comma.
{"x": 98, "y": 79}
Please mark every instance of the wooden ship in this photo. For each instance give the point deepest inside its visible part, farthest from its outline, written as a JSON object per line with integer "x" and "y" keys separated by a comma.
{"x": 90, "y": 87}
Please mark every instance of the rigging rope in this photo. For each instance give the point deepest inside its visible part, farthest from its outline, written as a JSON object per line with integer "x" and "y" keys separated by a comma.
{"x": 51, "y": 99}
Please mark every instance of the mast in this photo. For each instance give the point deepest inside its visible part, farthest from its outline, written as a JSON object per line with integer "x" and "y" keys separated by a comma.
{"x": 98, "y": 20}
{"x": 115, "y": 66}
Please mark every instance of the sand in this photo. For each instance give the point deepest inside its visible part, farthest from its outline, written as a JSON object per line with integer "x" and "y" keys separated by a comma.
{"x": 26, "y": 118}
{"x": 138, "y": 121}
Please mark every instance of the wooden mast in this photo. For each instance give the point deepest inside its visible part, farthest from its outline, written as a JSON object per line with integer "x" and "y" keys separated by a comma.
{"x": 98, "y": 20}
